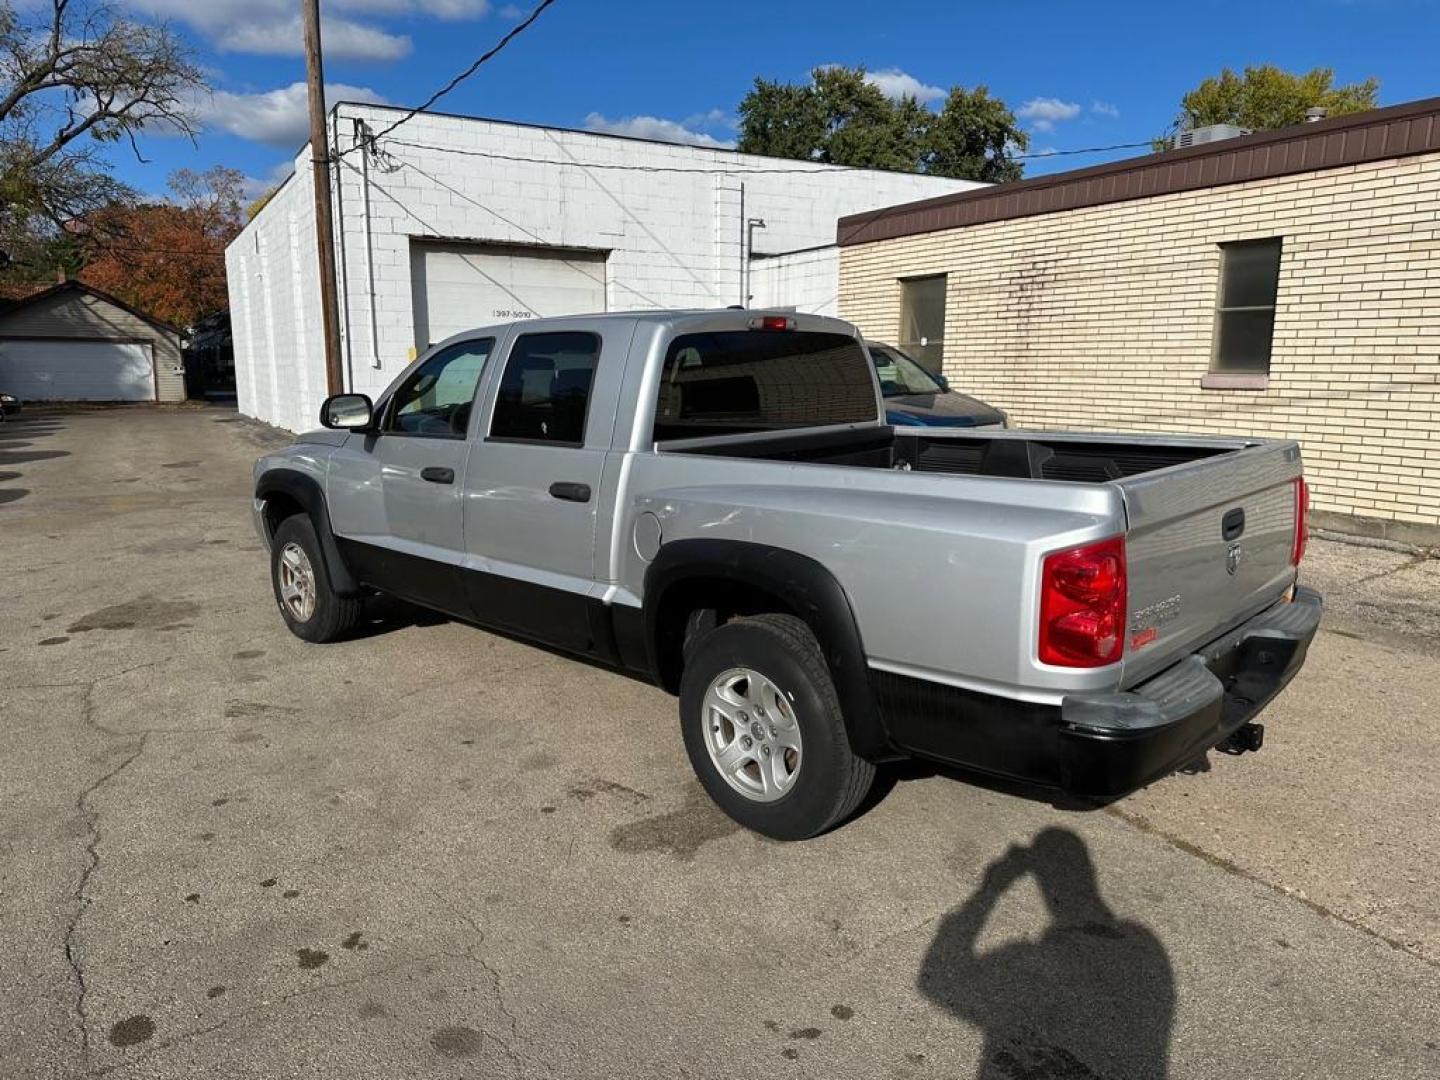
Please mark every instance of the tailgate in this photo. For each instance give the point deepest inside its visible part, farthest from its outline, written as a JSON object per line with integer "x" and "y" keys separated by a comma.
{"x": 1208, "y": 544}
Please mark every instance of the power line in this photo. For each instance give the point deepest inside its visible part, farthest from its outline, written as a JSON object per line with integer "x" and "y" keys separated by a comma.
{"x": 518, "y": 227}
{"x": 615, "y": 167}
{"x": 739, "y": 169}
{"x": 515, "y": 31}
{"x": 1082, "y": 150}
{"x": 102, "y": 250}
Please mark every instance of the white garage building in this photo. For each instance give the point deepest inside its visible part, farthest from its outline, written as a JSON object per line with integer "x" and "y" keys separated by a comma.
{"x": 452, "y": 222}
{"x": 72, "y": 342}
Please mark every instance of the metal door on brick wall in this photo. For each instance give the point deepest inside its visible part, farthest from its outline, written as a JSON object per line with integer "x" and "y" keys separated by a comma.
{"x": 461, "y": 286}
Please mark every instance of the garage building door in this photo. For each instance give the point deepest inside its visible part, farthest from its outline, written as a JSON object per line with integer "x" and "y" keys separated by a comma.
{"x": 77, "y": 370}
{"x": 461, "y": 286}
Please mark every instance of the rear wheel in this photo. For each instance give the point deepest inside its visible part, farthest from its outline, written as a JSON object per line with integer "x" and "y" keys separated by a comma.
{"x": 303, "y": 592}
{"x": 763, "y": 728}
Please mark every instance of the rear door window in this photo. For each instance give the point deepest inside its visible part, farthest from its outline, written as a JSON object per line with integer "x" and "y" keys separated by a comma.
{"x": 545, "y": 390}
{"x": 733, "y": 382}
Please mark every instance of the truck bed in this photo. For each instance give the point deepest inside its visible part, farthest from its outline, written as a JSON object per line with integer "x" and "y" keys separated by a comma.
{"x": 1191, "y": 577}
{"x": 1014, "y": 455}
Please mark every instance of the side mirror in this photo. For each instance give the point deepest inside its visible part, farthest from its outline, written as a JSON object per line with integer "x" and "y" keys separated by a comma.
{"x": 944, "y": 382}
{"x": 348, "y": 412}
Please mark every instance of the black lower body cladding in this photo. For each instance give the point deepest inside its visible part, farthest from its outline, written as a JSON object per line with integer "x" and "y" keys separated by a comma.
{"x": 1107, "y": 745}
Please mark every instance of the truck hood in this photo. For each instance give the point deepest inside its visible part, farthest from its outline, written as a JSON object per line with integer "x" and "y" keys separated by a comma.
{"x": 948, "y": 409}
{"x": 323, "y": 437}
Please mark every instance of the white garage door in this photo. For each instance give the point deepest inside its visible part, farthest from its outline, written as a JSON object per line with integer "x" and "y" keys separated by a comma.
{"x": 461, "y": 286}
{"x": 77, "y": 371}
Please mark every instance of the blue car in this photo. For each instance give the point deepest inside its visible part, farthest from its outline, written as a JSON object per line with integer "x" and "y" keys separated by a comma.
{"x": 914, "y": 397}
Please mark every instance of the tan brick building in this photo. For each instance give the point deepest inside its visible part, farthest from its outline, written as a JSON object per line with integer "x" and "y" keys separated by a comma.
{"x": 1282, "y": 284}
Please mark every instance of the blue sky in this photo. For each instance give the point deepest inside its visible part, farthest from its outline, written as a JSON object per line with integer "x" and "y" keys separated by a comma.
{"x": 1080, "y": 73}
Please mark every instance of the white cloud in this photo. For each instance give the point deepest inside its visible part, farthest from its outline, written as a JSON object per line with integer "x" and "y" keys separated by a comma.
{"x": 454, "y": 10}
{"x": 342, "y": 39}
{"x": 1045, "y": 112}
{"x": 896, "y": 84}
{"x": 252, "y": 187}
{"x": 275, "y": 117}
{"x": 273, "y": 27}
{"x": 712, "y": 119}
{"x": 511, "y": 11}
{"x": 1104, "y": 108}
{"x": 654, "y": 127}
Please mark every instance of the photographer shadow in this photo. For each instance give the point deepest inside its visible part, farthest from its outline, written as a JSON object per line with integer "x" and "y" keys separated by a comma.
{"x": 1093, "y": 997}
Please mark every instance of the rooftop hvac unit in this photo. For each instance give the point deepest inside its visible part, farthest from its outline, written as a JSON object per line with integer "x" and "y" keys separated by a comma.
{"x": 1208, "y": 134}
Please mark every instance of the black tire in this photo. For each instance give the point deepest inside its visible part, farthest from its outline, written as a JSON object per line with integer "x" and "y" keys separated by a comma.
{"x": 334, "y": 616}
{"x": 831, "y": 779}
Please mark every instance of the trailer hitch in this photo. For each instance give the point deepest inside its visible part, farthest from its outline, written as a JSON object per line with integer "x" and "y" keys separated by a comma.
{"x": 1247, "y": 737}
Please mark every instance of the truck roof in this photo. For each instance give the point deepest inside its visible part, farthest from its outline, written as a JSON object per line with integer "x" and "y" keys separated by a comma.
{"x": 676, "y": 318}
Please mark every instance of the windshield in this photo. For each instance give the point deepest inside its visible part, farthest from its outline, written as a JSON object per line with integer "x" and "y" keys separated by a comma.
{"x": 899, "y": 375}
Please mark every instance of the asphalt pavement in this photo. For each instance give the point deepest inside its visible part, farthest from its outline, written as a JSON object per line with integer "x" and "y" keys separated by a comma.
{"x": 434, "y": 852}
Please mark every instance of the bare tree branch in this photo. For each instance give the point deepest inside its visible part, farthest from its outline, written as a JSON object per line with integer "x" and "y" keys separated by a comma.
{"x": 82, "y": 74}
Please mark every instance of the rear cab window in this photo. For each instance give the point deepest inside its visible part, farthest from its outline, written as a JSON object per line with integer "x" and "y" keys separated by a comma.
{"x": 737, "y": 382}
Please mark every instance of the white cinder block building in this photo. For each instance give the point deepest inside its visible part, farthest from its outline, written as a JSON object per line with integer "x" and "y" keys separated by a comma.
{"x": 451, "y": 222}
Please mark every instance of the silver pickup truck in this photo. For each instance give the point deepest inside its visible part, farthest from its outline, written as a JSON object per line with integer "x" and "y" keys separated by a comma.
{"x": 713, "y": 500}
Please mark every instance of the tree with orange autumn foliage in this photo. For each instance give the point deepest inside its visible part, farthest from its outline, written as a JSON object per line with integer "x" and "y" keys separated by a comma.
{"x": 168, "y": 258}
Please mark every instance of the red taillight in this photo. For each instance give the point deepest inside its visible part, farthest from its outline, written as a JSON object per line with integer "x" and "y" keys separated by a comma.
{"x": 1082, "y": 605}
{"x": 772, "y": 322}
{"x": 1302, "y": 523}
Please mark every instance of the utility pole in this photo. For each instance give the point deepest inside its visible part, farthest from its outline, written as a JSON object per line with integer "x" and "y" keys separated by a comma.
{"x": 324, "y": 225}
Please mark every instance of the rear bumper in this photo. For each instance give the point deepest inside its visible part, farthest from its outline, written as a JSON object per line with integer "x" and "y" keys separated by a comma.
{"x": 1111, "y": 744}
{"x": 1107, "y": 745}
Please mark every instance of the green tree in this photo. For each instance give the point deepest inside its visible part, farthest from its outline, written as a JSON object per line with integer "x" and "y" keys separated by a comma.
{"x": 260, "y": 202}
{"x": 782, "y": 120}
{"x": 1268, "y": 97}
{"x": 76, "y": 77}
{"x": 974, "y": 137}
{"x": 840, "y": 118}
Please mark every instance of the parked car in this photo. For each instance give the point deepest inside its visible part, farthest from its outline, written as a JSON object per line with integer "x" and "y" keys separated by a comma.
{"x": 713, "y": 500}
{"x": 9, "y": 405}
{"x": 914, "y": 395}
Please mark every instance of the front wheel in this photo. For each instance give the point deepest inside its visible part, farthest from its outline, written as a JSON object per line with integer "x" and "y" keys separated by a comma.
{"x": 307, "y": 602}
{"x": 763, "y": 728}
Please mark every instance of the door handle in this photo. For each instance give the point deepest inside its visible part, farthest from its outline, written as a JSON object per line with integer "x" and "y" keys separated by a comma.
{"x": 570, "y": 492}
{"x": 1233, "y": 524}
{"x": 437, "y": 475}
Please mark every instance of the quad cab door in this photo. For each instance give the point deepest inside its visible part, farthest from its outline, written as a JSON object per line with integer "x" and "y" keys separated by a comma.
{"x": 532, "y": 488}
{"x": 394, "y": 493}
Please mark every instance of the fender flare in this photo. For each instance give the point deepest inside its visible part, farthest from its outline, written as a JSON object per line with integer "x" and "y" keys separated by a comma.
{"x": 306, "y": 491}
{"x": 803, "y": 585}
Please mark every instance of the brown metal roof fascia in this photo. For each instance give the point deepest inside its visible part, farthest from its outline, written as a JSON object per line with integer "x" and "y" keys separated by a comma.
{"x": 1399, "y": 131}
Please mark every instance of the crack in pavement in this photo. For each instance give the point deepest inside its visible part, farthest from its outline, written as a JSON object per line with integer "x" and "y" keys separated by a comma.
{"x": 1408, "y": 564}
{"x": 91, "y": 817}
{"x": 497, "y": 988}
{"x": 92, "y": 860}
{"x": 1148, "y": 827}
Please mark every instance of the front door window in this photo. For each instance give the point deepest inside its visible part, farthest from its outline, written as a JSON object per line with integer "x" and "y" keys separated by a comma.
{"x": 436, "y": 399}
